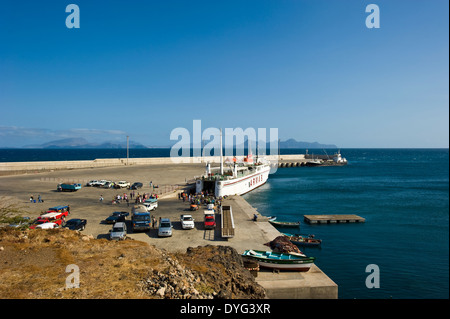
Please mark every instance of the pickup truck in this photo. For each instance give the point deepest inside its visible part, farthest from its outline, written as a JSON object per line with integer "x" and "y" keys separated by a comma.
{"x": 210, "y": 221}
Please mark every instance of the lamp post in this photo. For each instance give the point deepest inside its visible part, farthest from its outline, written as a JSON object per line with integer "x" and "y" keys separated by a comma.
{"x": 128, "y": 152}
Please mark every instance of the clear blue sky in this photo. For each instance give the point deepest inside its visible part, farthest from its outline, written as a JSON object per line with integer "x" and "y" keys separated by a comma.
{"x": 311, "y": 68}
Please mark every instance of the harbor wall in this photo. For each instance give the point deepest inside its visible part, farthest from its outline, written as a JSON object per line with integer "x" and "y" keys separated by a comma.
{"x": 35, "y": 167}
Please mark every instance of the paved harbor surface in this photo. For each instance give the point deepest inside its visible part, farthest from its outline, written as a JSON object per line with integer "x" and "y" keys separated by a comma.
{"x": 171, "y": 179}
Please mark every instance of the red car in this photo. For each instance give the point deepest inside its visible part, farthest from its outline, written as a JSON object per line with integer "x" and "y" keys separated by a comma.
{"x": 210, "y": 221}
{"x": 53, "y": 217}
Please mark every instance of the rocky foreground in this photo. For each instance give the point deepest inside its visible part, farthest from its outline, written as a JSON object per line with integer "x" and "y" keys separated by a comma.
{"x": 33, "y": 264}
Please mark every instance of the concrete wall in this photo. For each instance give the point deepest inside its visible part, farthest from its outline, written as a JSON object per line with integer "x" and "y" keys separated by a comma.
{"x": 106, "y": 162}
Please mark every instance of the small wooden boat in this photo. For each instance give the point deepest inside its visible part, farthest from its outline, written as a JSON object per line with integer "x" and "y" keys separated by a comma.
{"x": 301, "y": 240}
{"x": 275, "y": 222}
{"x": 280, "y": 261}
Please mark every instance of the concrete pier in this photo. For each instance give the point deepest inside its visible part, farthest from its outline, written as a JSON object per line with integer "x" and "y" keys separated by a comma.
{"x": 10, "y": 168}
{"x": 313, "y": 284}
{"x": 333, "y": 219}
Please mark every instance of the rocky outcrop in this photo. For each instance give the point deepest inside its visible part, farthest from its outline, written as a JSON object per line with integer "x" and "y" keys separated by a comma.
{"x": 221, "y": 272}
{"x": 205, "y": 272}
{"x": 117, "y": 269}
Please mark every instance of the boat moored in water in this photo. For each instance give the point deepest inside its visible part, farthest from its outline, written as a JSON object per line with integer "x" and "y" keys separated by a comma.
{"x": 275, "y": 222}
{"x": 301, "y": 240}
{"x": 239, "y": 177}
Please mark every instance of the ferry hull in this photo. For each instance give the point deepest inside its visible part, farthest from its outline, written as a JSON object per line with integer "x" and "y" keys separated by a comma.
{"x": 238, "y": 186}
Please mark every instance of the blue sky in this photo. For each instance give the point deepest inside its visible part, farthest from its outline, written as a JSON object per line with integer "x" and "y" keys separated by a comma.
{"x": 310, "y": 68}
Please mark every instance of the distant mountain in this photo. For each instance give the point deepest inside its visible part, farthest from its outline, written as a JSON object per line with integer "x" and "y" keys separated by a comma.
{"x": 77, "y": 142}
{"x": 291, "y": 143}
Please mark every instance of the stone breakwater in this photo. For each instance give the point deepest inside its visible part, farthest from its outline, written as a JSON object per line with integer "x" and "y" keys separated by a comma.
{"x": 9, "y": 168}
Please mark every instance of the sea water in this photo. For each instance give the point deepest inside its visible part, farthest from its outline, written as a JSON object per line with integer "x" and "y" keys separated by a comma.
{"x": 404, "y": 196}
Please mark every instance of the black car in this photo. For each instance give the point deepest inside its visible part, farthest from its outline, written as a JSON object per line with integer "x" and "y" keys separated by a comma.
{"x": 116, "y": 217}
{"x": 75, "y": 224}
{"x": 136, "y": 185}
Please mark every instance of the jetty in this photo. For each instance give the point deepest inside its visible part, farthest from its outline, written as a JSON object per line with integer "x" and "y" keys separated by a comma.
{"x": 333, "y": 219}
{"x": 291, "y": 160}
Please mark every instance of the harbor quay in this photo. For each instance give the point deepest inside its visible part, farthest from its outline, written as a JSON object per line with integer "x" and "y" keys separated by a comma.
{"x": 289, "y": 160}
{"x": 168, "y": 181}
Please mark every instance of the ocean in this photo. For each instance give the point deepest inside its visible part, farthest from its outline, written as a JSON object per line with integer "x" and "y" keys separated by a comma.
{"x": 404, "y": 196}
{"x": 402, "y": 193}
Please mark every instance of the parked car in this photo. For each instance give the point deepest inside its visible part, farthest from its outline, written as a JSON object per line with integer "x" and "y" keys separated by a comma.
{"x": 136, "y": 185}
{"x": 122, "y": 184}
{"x": 53, "y": 217}
{"x": 92, "y": 183}
{"x": 75, "y": 224}
{"x": 48, "y": 225}
{"x": 187, "y": 222}
{"x": 150, "y": 204}
{"x": 109, "y": 184}
{"x": 165, "y": 227}
{"x": 63, "y": 209}
{"x": 67, "y": 187}
{"x": 118, "y": 232}
{"x": 116, "y": 217}
{"x": 210, "y": 221}
{"x": 101, "y": 183}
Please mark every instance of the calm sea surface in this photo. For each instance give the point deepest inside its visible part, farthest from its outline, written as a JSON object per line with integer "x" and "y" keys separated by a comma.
{"x": 404, "y": 196}
{"x": 402, "y": 193}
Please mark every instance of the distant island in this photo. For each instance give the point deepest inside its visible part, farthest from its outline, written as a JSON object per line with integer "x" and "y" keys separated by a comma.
{"x": 82, "y": 143}
{"x": 78, "y": 142}
{"x": 291, "y": 143}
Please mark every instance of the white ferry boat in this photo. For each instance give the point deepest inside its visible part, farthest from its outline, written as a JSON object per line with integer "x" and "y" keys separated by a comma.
{"x": 237, "y": 179}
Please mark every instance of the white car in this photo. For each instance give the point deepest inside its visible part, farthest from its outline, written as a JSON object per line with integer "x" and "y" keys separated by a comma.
{"x": 101, "y": 183}
{"x": 49, "y": 225}
{"x": 187, "y": 222}
{"x": 123, "y": 184}
{"x": 92, "y": 183}
{"x": 150, "y": 204}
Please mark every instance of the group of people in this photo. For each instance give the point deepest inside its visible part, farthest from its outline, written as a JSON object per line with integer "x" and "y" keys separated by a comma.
{"x": 200, "y": 198}
{"x": 138, "y": 199}
{"x": 39, "y": 200}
